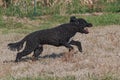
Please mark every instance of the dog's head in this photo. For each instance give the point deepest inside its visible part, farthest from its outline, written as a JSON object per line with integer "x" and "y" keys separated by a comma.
{"x": 81, "y": 23}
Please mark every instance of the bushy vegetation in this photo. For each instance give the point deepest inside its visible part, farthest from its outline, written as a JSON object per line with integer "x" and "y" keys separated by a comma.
{"x": 25, "y": 8}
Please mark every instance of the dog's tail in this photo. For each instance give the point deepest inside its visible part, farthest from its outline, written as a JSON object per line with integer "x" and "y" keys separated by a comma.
{"x": 16, "y": 46}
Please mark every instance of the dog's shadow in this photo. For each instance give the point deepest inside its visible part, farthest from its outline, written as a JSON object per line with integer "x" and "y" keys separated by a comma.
{"x": 53, "y": 56}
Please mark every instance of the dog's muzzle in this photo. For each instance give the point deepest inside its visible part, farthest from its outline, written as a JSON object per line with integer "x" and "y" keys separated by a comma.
{"x": 89, "y": 25}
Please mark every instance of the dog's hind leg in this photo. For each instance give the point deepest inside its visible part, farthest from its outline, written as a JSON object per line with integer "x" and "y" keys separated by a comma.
{"x": 78, "y": 44}
{"x": 67, "y": 45}
{"x": 37, "y": 52}
{"x": 28, "y": 49}
{"x": 21, "y": 54}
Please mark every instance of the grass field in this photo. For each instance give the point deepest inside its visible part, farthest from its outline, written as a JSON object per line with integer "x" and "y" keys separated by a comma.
{"x": 27, "y": 25}
{"x": 101, "y": 47}
{"x": 99, "y": 60}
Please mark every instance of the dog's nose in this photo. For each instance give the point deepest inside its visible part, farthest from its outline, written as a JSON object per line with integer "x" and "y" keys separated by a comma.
{"x": 89, "y": 25}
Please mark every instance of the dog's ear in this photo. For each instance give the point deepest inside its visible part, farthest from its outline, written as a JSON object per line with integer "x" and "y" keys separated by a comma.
{"x": 74, "y": 20}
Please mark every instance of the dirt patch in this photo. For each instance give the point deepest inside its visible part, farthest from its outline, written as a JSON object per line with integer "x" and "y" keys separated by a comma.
{"x": 101, "y": 56}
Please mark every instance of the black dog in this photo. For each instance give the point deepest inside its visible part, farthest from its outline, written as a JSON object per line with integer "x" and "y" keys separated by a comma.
{"x": 58, "y": 36}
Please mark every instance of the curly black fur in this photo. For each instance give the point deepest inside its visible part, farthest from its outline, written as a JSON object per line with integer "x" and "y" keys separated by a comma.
{"x": 57, "y": 36}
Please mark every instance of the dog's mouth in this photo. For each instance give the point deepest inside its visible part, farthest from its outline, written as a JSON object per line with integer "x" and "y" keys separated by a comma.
{"x": 85, "y": 30}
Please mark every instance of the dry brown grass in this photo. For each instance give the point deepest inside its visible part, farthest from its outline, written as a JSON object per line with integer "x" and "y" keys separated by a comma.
{"x": 101, "y": 56}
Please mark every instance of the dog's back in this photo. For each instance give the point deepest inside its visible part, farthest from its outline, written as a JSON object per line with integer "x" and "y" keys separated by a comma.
{"x": 56, "y": 35}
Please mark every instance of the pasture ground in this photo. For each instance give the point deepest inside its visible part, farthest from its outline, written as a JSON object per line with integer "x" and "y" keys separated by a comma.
{"x": 100, "y": 57}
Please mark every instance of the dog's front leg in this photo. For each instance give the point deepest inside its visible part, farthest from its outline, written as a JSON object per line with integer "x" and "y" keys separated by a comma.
{"x": 67, "y": 45}
{"x": 37, "y": 52}
{"x": 78, "y": 44}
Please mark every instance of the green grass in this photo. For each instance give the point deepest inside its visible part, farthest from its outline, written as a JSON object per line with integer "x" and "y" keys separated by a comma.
{"x": 41, "y": 78}
{"x": 90, "y": 77}
{"x": 101, "y": 20}
{"x": 46, "y": 22}
{"x": 105, "y": 77}
{"x": 106, "y": 19}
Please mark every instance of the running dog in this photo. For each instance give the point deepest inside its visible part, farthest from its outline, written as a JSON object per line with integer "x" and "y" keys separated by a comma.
{"x": 57, "y": 36}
